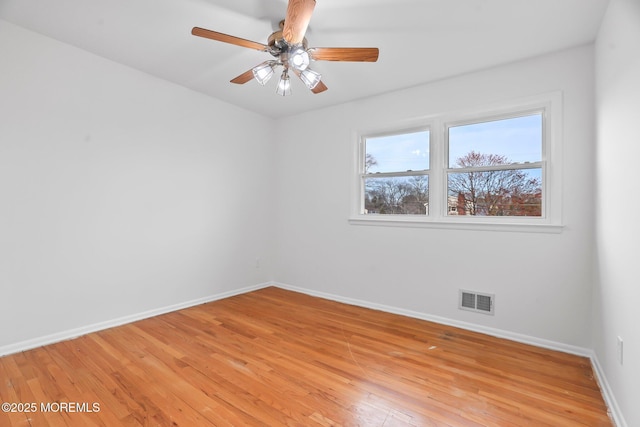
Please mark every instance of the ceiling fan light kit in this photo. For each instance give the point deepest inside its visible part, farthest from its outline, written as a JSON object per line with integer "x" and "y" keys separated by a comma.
{"x": 299, "y": 58}
{"x": 289, "y": 46}
{"x": 310, "y": 78}
{"x": 284, "y": 85}
{"x": 263, "y": 72}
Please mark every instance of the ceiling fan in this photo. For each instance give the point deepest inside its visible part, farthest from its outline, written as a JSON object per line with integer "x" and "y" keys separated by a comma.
{"x": 289, "y": 47}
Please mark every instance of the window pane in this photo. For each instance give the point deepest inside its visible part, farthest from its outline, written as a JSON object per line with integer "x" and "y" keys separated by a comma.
{"x": 515, "y": 140}
{"x": 407, "y": 195}
{"x": 516, "y": 192}
{"x": 397, "y": 153}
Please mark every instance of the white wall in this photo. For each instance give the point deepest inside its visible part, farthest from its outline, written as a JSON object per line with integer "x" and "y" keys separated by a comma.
{"x": 542, "y": 282}
{"x": 120, "y": 193}
{"x": 617, "y": 290}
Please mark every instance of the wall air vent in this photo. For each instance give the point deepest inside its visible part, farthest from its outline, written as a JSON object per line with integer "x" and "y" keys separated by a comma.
{"x": 474, "y": 301}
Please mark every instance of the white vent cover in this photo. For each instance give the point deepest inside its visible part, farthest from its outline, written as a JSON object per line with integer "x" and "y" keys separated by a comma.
{"x": 474, "y": 301}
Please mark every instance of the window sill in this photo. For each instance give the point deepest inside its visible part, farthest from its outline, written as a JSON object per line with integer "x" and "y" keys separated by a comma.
{"x": 420, "y": 222}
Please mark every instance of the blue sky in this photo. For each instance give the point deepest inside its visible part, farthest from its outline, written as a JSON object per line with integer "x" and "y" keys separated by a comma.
{"x": 519, "y": 139}
{"x": 399, "y": 153}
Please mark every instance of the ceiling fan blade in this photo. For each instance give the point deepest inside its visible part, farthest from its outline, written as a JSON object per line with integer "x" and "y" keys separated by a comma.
{"x": 221, "y": 37}
{"x": 243, "y": 78}
{"x": 320, "y": 87}
{"x": 356, "y": 54}
{"x": 297, "y": 20}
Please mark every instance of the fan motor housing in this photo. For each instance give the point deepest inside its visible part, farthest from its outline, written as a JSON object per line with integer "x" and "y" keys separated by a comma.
{"x": 278, "y": 44}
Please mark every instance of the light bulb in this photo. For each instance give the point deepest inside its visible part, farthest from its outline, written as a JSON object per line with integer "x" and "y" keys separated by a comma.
{"x": 299, "y": 58}
{"x": 310, "y": 78}
{"x": 284, "y": 85}
{"x": 263, "y": 72}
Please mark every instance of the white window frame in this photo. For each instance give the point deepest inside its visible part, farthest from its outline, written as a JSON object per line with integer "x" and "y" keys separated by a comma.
{"x": 398, "y": 174}
{"x": 549, "y": 105}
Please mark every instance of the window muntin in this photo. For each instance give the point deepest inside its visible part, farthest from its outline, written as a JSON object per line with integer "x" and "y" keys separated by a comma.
{"x": 495, "y": 167}
{"x": 395, "y": 174}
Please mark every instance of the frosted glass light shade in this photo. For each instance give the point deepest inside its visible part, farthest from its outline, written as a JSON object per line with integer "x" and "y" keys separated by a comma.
{"x": 299, "y": 58}
{"x": 263, "y": 72}
{"x": 284, "y": 85}
{"x": 310, "y": 78}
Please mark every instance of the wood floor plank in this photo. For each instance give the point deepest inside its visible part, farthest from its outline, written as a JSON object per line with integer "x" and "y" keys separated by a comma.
{"x": 279, "y": 358}
{"x": 8, "y": 394}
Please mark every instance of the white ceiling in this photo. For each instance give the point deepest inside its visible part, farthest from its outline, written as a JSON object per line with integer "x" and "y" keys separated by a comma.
{"x": 419, "y": 40}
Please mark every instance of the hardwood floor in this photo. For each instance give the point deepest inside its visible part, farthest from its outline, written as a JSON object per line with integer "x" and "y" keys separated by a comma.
{"x": 278, "y": 358}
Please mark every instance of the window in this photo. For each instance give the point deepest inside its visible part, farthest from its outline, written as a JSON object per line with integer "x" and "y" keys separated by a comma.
{"x": 491, "y": 168}
{"x": 495, "y": 167}
{"x": 395, "y": 174}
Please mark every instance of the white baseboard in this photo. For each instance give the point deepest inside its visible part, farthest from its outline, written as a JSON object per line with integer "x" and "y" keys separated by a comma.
{"x": 74, "y": 333}
{"x": 609, "y": 398}
{"x": 614, "y": 409}
{"x": 607, "y": 393}
{"x": 513, "y": 336}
